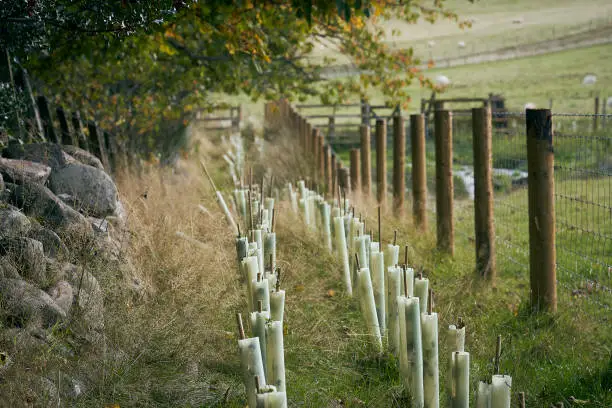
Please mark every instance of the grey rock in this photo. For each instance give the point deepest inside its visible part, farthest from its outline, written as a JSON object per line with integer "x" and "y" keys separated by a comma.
{"x": 13, "y": 223}
{"x": 28, "y": 255}
{"x": 91, "y": 187}
{"x": 23, "y": 304}
{"x": 87, "y": 290}
{"x": 1, "y": 182}
{"x": 8, "y": 269}
{"x": 62, "y": 295}
{"x": 40, "y": 203}
{"x": 83, "y": 156}
{"x": 49, "y": 154}
{"x": 22, "y": 171}
{"x": 99, "y": 225}
{"x": 52, "y": 243}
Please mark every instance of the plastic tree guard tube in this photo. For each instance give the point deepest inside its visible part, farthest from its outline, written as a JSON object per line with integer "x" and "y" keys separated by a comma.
{"x": 460, "y": 373}
{"x": 360, "y": 250}
{"x": 258, "y": 237}
{"x": 431, "y": 385}
{"x": 343, "y": 254}
{"x": 275, "y": 354}
{"x": 391, "y": 259}
{"x": 409, "y": 284}
{"x": 411, "y": 347}
{"x": 326, "y": 227}
{"x": 312, "y": 213}
{"x": 378, "y": 281}
{"x": 367, "y": 240}
{"x": 501, "y": 386}
{"x": 242, "y": 246}
{"x": 393, "y": 293}
{"x": 368, "y": 305}
{"x": 483, "y": 398}
{"x": 293, "y": 198}
{"x": 374, "y": 247}
{"x": 421, "y": 290}
{"x": 241, "y": 202}
{"x": 258, "y": 325}
{"x": 335, "y": 212}
{"x": 252, "y": 365}
{"x": 269, "y": 206}
{"x": 455, "y": 338}
{"x": 251, "y": 269}
{"x": 270, "y": 249}
{"x": 226, "y": 212}
{"x": 302, "y": 188}
{"x": 277, "y": 305}
{"x": 305, "y": 211}
{"x": 261, "y": 291}
{"x": 275, "y": 399}
{"x": 271, "y": 277}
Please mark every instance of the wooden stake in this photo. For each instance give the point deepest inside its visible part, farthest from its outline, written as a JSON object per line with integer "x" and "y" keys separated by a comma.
{"x": 212, "y": 183}
{"x": 278, "y": 272}
{"x": 260, "y": 306}
{"x": 431, "y": 301}
{"x": 258, "y": 276}
{"x": 273, "y": 219}
{"x": 379, "y": 228}
{"x": 257, "y": 388}
{"x": 405, "y": 282}
{"x": 250, "y": 208}
{"x": 357, "y": 262}
{"x": 521, "y": 398}
{"x": 394, "y": 237}
{"x": 497, "y": 354}
{"x": 460, "y": 323}
{"x": 241, "y": 335}
{"x": 406, "y": 255}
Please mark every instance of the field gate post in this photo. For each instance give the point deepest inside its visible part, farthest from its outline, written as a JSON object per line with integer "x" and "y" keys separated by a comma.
{"x": 355, "y": 170}
{"x": 381, "y": 161}
{"x": 596, "y": 111}
{"x": 419, "y": 172}
{"x": 399, "y": 164}
{"x": 483, "y": 193}
{"x": 443, "y": 129}
{"x": 541, "y": 193}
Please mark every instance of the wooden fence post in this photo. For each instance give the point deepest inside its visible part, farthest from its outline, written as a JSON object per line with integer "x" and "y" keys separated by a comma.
{"x": 443, "y": 128}
{"x": 329, "y": 163}
{"x": 321, "y": 153}
{"x": 399, "y": 164}
{"x": 355, "y": 170}
{"x": 596, "y": 111}
{"x": 483, "y": 193}
{"x": 366, "y": 160}
{"x": 344, "y": 179}
{"x": 45, "y": 116}
{"x": 381, "y": 161}
{"x": 365, "y": 112}
{"x": 109, "y": 147}
{"x": 315, "y": 140}
{"x": 419, "y": 172}
{"x": 96, "y": 141}
{"x": 334, "y": 174}
{"x": 541, "y": 192}
{"x": 78, "y": 131}
{"x": 604, "y": 103}
{"x": 63, "y": 122}
{"x": 331, "y": 128}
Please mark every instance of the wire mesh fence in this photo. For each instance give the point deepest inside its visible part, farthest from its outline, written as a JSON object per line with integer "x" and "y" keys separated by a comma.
{"x": 583, "y": 206}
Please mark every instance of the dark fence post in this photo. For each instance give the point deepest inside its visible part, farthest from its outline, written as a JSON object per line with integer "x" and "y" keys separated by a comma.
{"x": 45, "y": 116}
{"x": 96, "y": 141}
{"x": 355, "y": 170}
{"x": 61, "y": 117}
{"x": 321, "y": 155}
{"x": 315, "y": 140}
{"x": 419, "y": 172}
{"x": 110, "y": 148}
{"x": 483, "y": 193}
{"x": 334, "y": 175}
{"x": 366, "y": 160}
{"x": 329, "y": 163}
{"x": 443, "y": 129}
{"x": 344, "y": 179}
{"x": 381, "y": 161}
{"x": 596, "y": 111}
{"x": 365, "y": 112}
{"x": 399, "y": 164}
{"x": 541, "y": 191}
{"x": 331, "y": 128}
{"x": 78, "y": 131}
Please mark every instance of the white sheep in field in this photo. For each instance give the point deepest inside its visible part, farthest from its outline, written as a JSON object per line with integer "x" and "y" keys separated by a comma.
{"x": 609, "y": 102}
{"x": 431, "y": 43}
{"x": 589, "y": 79}
{"x": 442, "y": 80}
{"x": 529, "y": 105}
{"x": 461, "y": 44}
